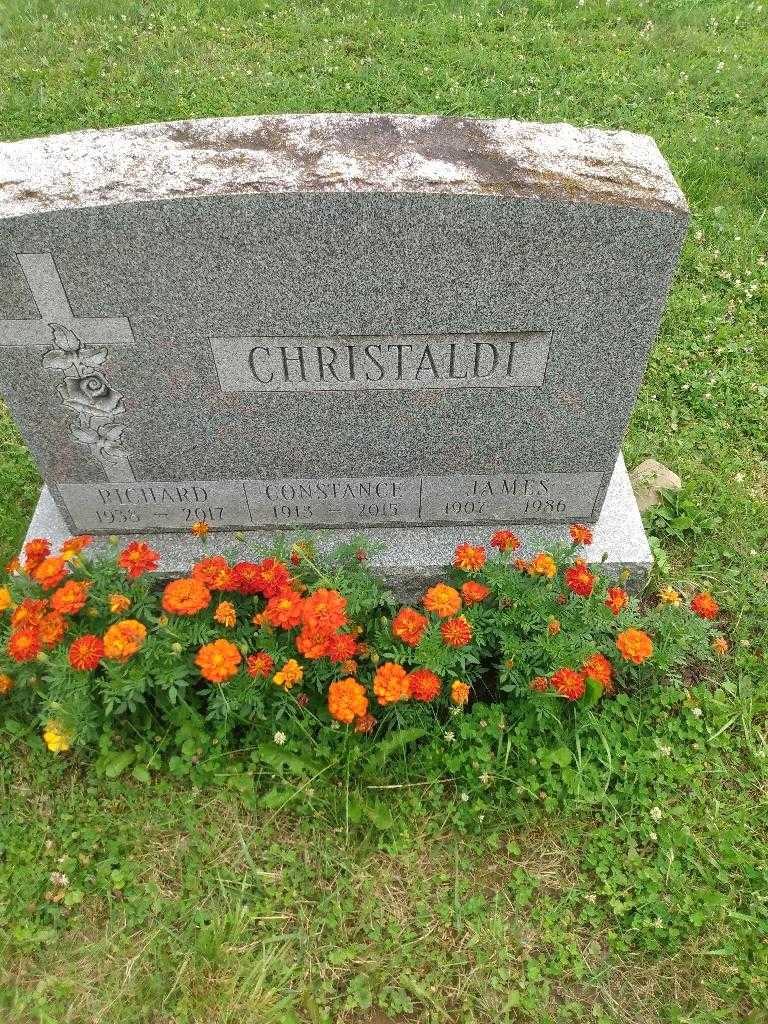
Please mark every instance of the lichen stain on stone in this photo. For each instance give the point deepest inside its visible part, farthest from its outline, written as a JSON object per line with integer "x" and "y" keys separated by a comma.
{"x": 374, "y": 153}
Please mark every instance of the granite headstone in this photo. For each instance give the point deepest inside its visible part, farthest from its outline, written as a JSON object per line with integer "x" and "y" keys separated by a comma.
{"x": 413, "y": 327}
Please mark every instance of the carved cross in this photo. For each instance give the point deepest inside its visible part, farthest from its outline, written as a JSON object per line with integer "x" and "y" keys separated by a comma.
{"x": 51, "y": 300}
{"x": 70, "y": 354}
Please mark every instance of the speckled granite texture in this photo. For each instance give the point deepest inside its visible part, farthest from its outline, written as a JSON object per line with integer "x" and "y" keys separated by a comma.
{"x": 164, "y": 237}
{"x": 410, "y": 558}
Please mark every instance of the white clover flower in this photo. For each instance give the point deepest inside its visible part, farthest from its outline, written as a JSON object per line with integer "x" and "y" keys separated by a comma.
{"x": 656, "y": 814}
{"x": 465, "y": 798}
{"x": 653, "y": 837}
{"x": 658, "y": 923}
{"x": 697, "y": 712}
{"x": 279, "y": 738}
{"x": 485, "y": 778}
{"x": 665, "y": 750}
{"x": 57, "y": 878}
{"x": 449, "y": 737}
{"x": 591, "y": 897}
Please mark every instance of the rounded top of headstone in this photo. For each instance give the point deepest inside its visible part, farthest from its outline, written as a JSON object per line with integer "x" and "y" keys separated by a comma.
{"x": 333, "y": 153}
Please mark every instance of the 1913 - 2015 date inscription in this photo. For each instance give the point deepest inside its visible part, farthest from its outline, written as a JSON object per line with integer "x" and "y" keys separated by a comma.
{"x": 152, "y": 506}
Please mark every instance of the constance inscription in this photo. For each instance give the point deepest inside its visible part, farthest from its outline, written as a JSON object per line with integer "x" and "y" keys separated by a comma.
{"x": 498, "y": 360}
{"x": 153, "y": 507}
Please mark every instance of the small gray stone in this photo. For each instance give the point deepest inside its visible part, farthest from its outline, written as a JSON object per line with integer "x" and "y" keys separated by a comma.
{"x": 649, "y": 480}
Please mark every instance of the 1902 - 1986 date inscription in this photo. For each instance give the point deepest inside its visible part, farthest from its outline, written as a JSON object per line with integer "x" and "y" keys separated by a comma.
{"x": 154, "y": 507}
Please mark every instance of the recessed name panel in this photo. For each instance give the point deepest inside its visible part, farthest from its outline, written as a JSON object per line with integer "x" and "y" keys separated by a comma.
{"x": 155, "y": 507}
{"x": 496, "y": 360}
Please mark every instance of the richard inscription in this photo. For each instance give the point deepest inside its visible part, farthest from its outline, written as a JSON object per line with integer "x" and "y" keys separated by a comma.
{"x": 498, "y": 360}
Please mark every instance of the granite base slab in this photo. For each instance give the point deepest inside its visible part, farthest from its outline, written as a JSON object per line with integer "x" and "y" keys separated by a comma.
{"x": 410, "y": 557}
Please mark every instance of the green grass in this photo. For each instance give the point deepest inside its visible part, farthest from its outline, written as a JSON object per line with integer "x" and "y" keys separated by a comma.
{"x": 199, "y": 905}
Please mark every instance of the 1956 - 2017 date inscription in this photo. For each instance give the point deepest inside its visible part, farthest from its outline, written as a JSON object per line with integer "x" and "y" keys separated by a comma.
{"x": 153, "y": 506}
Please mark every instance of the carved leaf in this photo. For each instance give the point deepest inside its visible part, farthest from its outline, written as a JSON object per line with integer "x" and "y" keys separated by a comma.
{"x": 54, "y": 360}
{"x": 85, "y": 436}
{"x": 65, "y": 339}
{"x": 93, "y": 356}
{"x": 112, "y": 431}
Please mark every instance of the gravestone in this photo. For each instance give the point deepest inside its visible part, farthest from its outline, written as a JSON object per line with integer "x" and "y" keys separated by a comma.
{"x": 411, "y": 328}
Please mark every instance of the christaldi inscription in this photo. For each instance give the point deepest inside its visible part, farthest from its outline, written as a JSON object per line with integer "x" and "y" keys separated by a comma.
{"x": 152, "y": 506}
{"x": 498, "y": 360}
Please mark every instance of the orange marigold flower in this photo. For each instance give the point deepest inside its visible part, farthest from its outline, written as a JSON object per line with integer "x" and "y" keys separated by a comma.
{"x": 349, "y": 667}
{"x": 634, "y": 645}
{"x": 580, "y": 534}
{"x": 214, "y": 573}
{"x": 469, "y": 557}
{"x": 186, "y": 597}
{"x": 456, "y": 632}
{"x": 325, "y": 611}
{"x": 86, "y": 652}
{"x": 341, "y": 647}
{"x": 284, "y": 610}
{"x": 579, "y": 579}
{"x": 35, "y": 551}
{"x": 258, "y": 619}
{"x": 52, "y": 629}
{"x": 720, "y": 645}
{"x": 312, "y": 645}
{"x": 423, "y": 684}
{"x": 218, "y": 661}
{"x": 269, "y": 579}
{"x": 365, "y": 723}
{"x": 521, "y": 565}
{"x": 616, "y": 599}
{"x": 459, "y": 692}
{"x": 598, "y": 667}
{"x": 474, "y": 592}
{"x": 200, "y": 529}
{"x": 290, "y": 674}
{"x": 409, "y": 625}
{"x": 13, "y": 567}
{"x": 259, "y": 665}
{"x": 75, "y": 545}
{"x": 137, "y": 559}
{"x": 540, "y": 684}
{"x": 505, "y": 540}
{"x": 225, "y": 614}
{"x": 347, "y": 700}
{"x": 6, "y": 684}
{"x": 569, "y": 684}
{"x": 669, "y": 596}
{"x": 705, "y": 606}
{"x": 29, "y": 613}
{"x": 124, "y": 639}
{"x": 542, "y": 565}
{"x": 553, "y": 627}
{"x": 24, "y": 644}
{"x": 119, "y": 603}
{"x": 442, "y": 600}
{"x": 390, "y": 684}
{"x": 50, "y": 572}
{"x": 71, "y": 597}
{"x": 5, "y": 599}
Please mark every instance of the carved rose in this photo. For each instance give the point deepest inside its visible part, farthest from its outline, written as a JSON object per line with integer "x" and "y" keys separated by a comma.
{"x": 90, "y": 393}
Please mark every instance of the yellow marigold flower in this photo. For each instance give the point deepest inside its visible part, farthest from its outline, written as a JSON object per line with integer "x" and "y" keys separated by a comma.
{"x": 56, "y": 737}
{"x": 459, "y": 692}
{"x": 542, "y": 565}
{"x": 225, "y": 614}
{"x": 119, "y": 603}
{"x": 290, "y": 674}
{"x": 670, "y": 596}
{"x": 5, "y": 599}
